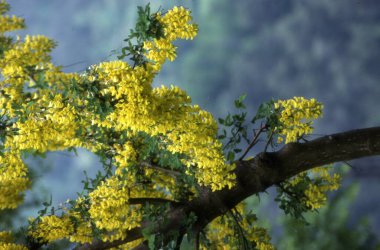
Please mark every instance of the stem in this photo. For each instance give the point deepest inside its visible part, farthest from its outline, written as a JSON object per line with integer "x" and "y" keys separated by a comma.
{"x": 196, "y": 241}
{"x": 253, "y": 143}
{"x": 269, "y": 140}
{"x": 178, "y": 242}
{"x": 134, "y": 201}
{"x": 232, "y": 137}
{"x": 161, "y": 169}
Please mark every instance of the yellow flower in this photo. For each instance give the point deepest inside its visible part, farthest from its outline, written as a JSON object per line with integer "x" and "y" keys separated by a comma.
{"x": 61, "y": 112}
{"x": 323, "y": 181}
{"x": 9, "y": 23}
{"x": 13, "y": 180}
{"x": 221, "y": 230}
{"x": 296, "y": 116}
{"x": 6, "y": 240}
{"x": 52, "y": 228}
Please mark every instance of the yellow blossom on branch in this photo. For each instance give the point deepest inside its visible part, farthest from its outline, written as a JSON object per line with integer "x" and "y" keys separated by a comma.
{"x": 296, "y": 116}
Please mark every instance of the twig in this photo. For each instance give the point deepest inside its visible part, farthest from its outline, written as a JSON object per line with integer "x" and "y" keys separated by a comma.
{"x": 242, "y": 237}
{"x": 135, "y": 201}
{"x": 269, "y": 140}
{"x": 287, "y": 191}
{"x": 253, "y": 143}
{"x": 178, "y": 242}
{"x": 161, "y": 169}
{"x": 196, "y": 241}
{"x": 232, "y": 137}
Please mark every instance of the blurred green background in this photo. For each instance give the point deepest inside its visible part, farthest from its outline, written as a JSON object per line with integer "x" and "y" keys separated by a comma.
{"x": 329, "y": 50}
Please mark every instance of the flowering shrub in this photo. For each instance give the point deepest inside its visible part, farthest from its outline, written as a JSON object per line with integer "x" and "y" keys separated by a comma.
{"x": 154, "y": 144}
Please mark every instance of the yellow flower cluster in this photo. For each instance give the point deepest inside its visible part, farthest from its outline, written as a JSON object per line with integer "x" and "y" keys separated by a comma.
{"x": 46, "y": 119}
{"x": 53, "y": 227}
{"x": 129, "y": 245}
{"x": 17, "y": 61}
{"x": 9, "y": 23}
{"x": 177, "y": 25}
{"x": 221, "y": 230}
{"x": 165, "y": 111}
{"x": 83, "y": 231}
{"x": 6, "y": 240}
{"x": 32, "y": 51}
{"x": 6, "y": 236}
{"x": 51, "y": 133}
{"x": 110, "y": 209}
{"x": 12, "y": 246}
{"x": 55, "y": 77}
{"x": 315, "y": 194}
{"x": 47, "y": 124}
{"x": 296, "y": 116}
{"x": 13, "y": 180}
{"x": 71, "y": 225}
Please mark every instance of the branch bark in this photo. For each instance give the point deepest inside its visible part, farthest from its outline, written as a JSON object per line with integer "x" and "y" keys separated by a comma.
{"x": 258, "y": 174}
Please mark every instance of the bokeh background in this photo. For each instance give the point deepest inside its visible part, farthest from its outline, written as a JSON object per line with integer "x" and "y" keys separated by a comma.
{"x": 329, "y": 50}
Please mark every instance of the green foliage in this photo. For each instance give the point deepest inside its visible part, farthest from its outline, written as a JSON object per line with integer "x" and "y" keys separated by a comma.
{"x": 330, "y": 228}
{"x": 147, "y": 28}
{"x": 233, "y": 130}
{"x": 5, "y": 42}
{"x": 236, "y": 133}
{"x": 268, "y": 114}
{"x": 290, "y": 198}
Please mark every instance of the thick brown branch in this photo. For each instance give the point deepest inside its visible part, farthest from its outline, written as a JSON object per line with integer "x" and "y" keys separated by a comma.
{"x": 132, "y": 235}
{"x": 263, "y": 171}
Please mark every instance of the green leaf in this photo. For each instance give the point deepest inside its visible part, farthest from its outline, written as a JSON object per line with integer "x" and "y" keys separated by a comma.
{"x": 46, "y": 204}
{"x": 231, "y": 156}
{"x": 239, "y": 102}
{"x": 151, "y": 242}
{"x": 228, "y": 122}
{"x": 237, "y": 150}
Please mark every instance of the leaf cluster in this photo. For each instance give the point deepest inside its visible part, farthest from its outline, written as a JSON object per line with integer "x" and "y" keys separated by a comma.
{"x": 291, "y": 198}
{"x": 147, "y": 28}
{"x": 234, "y": 130}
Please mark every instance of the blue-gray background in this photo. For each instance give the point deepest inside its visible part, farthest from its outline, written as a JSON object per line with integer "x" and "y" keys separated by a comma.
{"x": 324, "y": 49}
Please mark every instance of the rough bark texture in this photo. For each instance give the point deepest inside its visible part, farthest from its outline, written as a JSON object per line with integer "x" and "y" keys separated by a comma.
{"x": 258, "y": 174}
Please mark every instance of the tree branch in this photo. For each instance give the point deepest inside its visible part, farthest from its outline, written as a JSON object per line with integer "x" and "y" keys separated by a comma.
{"x": 161, "y": 169}
{"x": 258, "y": 174}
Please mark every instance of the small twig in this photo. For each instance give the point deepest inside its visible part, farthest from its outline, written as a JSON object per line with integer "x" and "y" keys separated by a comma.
{"x": 178, "y": 242}
{"x": 348, "y": 164}
{"x": 287, "y": 191}
{"x": 73, "y": 64}
{"x": 196, "y": 241}
{"x": 242, "y": 237}
{"x": 232, "y": 137}
{"x": 161, "y": 169}
{"x": 253, "y": 143}
{"x": 135, "y": 201}
{"x": 268, "y": 142}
